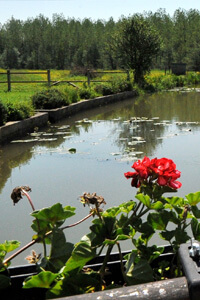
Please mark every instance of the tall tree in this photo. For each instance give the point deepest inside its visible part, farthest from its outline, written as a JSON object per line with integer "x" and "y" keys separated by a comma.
{"x": 138, "y": 44}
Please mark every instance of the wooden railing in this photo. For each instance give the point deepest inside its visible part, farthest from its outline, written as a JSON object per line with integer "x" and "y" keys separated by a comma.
{"x": 9, "y": 81}
{"x": 50, "y": 82}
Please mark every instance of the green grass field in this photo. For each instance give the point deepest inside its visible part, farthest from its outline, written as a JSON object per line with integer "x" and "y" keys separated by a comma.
{"x": 23, "y": 91}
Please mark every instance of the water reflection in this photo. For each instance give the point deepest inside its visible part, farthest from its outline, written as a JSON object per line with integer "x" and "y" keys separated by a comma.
{"x": 107, "y": 140}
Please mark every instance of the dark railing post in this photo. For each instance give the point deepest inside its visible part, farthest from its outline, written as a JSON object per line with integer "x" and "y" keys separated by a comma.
{"x": 9, "y": 81}
{"x": 48, "y": 77}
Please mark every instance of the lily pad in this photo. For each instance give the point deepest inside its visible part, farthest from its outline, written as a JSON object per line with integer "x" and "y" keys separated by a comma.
{"x": 36, "y": 134}
{"x": 25, "y": 141}
{"x": 72, "y": 150}
{"x": 115, "y": 153}
{"x": 47, "y": 140}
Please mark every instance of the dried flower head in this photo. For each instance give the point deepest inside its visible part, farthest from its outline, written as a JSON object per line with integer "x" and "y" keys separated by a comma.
{"x": 34, "y": 258}
{"x": 92, "y": 199}
{"x": 17, "y": 193}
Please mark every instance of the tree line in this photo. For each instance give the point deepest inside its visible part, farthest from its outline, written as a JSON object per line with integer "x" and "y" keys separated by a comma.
{"x": 60, "y": 43}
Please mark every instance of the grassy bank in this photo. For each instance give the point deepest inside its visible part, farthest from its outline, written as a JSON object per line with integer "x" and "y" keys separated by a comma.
{"x": 24, "y": 98}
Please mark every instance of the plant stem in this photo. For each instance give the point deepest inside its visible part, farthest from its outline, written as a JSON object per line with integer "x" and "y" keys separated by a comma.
{"x": 29, "y": 199}
{"x": 136, "y": 209}
{"x": 33, "y": 208}
{"x": 103, "y": 267}
{"x": 39, "y": 239}
{"x": 121, "y": 261}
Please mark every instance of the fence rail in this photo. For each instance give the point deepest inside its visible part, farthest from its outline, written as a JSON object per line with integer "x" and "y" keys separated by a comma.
{"x": 50, "y": 82}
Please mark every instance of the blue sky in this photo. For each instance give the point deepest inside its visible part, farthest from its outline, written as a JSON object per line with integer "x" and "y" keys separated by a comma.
{"x": 93, "y": 9}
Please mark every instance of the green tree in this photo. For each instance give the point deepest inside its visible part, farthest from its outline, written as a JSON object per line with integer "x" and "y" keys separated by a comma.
{"x": 163, "y": 24}
{"x": 138, "y": 44}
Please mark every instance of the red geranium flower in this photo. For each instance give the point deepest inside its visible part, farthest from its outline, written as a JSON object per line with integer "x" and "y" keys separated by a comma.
{"x": 162, "y": 171}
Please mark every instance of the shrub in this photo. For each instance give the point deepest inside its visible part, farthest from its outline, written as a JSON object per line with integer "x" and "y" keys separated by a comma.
{"x": 121, "y": 85}
{"x": 87, "y": 93}
{"x": 48, "y": 99}
{"x": 3, "y": 114}
{"x": 19, "y": 111}
{"x": 104, "y": 89}
{"x": 71, "y": 94}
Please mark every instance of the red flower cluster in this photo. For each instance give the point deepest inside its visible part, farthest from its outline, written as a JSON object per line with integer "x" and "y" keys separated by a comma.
{"x": 162, "y": 171}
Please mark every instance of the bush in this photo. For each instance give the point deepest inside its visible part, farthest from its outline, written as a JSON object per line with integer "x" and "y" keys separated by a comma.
{"x": 71, "y": 94}
{"x": 87, "y": 93}
{"x": 3, "y": 114}
{"x": 121, "y": 85}
{"x": 104, "y": 89}
{"x": 19, "y": 111}
{"x": 117, "y": 86}
{"x": 48, "y": 99}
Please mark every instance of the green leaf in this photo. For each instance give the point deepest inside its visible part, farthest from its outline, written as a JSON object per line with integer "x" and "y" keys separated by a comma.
{"x": 175, "y": 201}
{"x": 195, "y": 225}
{"x": 41, "y": 227}
{"x": 193, "y": 198}
{"x": 196, "y": 211}
{"x": 60, "y": 250}
{"x": 4, "y": 281}
{"x": 147, "y": 231}
{"x": 167, "y": 235}
{"x": 139, "y": 272}
{"x": 112, "y": 212}
{"x": 54, "y": 213}
{"x": 122, "y": 237}
{"x": 181, "y": 236}
{"x": 130, "y": 262}
{"x": 157, "y": 205}
{"x": 78, "y": 284}
{"x": 145, "y": 199}
{"x": 9, "y": 246}
{"x": 158, "y": 221}
{"x": 109, "y": 242}
{"x": 42, "y": 280}
{"x": 98, "y": 230}
{"x": 122, "y": 220}
{"x": 127, "y": 207}
{"x": 82, "y": 253}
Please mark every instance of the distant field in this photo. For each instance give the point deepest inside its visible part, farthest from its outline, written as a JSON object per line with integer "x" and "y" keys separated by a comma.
{"x": 23, "y": 91}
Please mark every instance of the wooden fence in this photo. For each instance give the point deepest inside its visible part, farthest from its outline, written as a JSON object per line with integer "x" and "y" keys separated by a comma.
{"x": 50, "y": 82}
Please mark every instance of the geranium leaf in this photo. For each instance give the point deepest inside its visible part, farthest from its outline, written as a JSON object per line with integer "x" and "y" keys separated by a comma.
{"x": 140, "y": 273}
{"x": 195, "y": 229}
{"x": 158, "y": 220}
{"x": 9, "y": 246}
{"x": 82, "y": 253}
{"x": 145, "y": 199}
{"x": 196, "y": 211}
{"x": 42, "y": 280}
{"x": 60, "y": 250}
{"x": 157, "y": 205}
{"x": 54, "y": 213}
{"x": 193, "y": 198}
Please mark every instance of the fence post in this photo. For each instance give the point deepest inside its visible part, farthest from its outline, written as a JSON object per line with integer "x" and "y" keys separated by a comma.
{"x": 48, "y": 77}
{"x": 88, "y": 77}
{"x": 9, "y": 81}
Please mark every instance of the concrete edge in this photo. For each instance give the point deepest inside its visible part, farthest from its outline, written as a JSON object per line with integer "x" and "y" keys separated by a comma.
{"x": 16, "y": 129}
